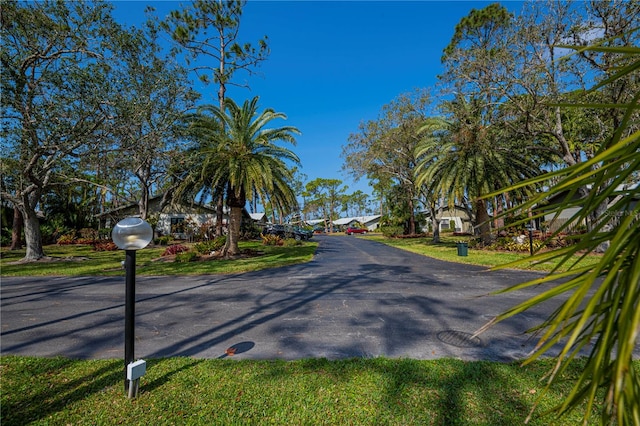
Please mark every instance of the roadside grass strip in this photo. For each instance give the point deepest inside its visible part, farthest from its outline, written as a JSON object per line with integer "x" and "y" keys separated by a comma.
{"x": 47, "y": 391}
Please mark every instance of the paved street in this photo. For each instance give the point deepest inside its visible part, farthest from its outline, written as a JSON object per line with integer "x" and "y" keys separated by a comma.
{"x": 356, "y": 298}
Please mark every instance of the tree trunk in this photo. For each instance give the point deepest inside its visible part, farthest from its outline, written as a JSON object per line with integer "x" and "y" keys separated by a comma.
{"x": 16, "y": 230}
{"x": 436, "y": 225}
{"x": 498, "y": 219}
{"x": 412, "y": 217}
{"x": 219, "y": 214}
{"x": 235, "y": 204}
{"x": 483, "y": 221}
{"x": 33, "y": 236}
{"x": 235, "y": 219}
{"x": 144, "y": 202}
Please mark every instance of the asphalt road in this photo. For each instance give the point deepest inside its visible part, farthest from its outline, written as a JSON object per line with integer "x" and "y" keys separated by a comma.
{"x": 356, "y": 298}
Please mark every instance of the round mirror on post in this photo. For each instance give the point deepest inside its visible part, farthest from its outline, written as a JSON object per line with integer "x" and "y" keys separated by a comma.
{"x": 132, "y": 233}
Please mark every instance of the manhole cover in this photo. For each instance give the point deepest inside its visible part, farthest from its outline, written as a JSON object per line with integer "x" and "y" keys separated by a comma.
{"x": 459, "y": 339}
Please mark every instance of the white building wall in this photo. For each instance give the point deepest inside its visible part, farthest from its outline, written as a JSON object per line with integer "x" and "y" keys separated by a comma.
{"x": 164, "y": 221}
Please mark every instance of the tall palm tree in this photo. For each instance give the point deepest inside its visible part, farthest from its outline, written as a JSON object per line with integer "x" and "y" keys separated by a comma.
{"x": 238, "y": 152}
{"x": 194, "y": 169}
{"x": 426, "y": 152}
{"x": 464, "y": 160}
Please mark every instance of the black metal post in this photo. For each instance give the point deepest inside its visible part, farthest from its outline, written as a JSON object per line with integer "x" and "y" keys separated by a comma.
{"x": 531, "y": 240}
{"x": 129, "y": 311}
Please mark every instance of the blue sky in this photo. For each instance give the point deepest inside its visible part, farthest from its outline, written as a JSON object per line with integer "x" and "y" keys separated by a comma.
{"x": 335, "y": 64}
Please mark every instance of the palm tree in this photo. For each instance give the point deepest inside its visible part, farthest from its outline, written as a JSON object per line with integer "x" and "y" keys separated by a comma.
{"x": 464, "y": 160}
{"x": 426, "y": 152}
{"x": 237, "y": 152}
{"x": 194, "y": 169}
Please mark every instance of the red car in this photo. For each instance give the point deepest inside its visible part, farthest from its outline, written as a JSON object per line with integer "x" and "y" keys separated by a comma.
{"x": 351, "y": 231}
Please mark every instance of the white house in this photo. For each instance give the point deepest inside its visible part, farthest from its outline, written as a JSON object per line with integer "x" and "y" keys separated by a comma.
{"x": 554, "y": 220}
{"x": 457, "y": 219}
{"x": 177, "y": 220}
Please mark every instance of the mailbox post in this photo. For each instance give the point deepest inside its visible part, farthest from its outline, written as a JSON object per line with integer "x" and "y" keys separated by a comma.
{"x": 131, "y": 234}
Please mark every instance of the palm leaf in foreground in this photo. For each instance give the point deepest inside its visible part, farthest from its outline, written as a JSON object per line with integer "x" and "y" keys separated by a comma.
{"x": 602, "y": 305}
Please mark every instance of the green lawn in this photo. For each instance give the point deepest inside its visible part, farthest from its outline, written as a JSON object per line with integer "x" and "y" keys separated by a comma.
{"x": 82, "y": 260}
{"x": 376, "y": 391}
{"x": 447, "y": 250}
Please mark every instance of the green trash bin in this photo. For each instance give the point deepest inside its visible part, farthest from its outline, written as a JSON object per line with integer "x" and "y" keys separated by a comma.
{"x": 463, "y": 248}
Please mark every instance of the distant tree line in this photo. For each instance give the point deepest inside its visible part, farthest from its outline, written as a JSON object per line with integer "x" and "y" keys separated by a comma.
{"x": 497, "y": 116}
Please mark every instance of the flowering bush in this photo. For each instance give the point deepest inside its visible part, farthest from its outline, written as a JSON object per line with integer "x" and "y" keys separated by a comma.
{"x": 174, "y": 249}
{"x": 104, "y": 246}
{"x": 85, "y": 241}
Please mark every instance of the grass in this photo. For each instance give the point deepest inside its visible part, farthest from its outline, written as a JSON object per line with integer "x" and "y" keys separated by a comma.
{"x": 376, "y": 391}
{"x": 447, "y": 250}
{"x": 83, "y": 261}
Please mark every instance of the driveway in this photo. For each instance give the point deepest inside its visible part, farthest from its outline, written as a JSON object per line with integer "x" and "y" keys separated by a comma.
{"x": 356, "y": 298}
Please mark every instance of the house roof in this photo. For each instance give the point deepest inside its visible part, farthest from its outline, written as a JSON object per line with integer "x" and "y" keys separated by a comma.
{"x": 443, "y": 208}
{"x": 347, "y": 220}
{"x": 257, "y": 216}
{"x": 361, "y": 219}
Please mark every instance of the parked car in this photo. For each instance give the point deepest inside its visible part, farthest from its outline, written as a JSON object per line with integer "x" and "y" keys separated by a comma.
{"x": 304, "y": 233}
{"x": 283, "y": 231}
{"x": 351, "y": 231}
{"x": 274, "y": 230}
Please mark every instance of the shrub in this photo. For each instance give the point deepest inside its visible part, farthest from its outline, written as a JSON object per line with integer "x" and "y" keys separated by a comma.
{"x": 5, "y": 241}
{"x": 162, "y": 241}
{"x": 67, "y": 239}
{"x": 271, "y": 240}
{"x": 509, "y": 244}
{"x": 291, "y": 242}
{"x": 89, "y": 234}
{"x": 186, "y": 256}
{"x": 104, "y": 246}
{"x": 207, "y": 247}
{"x": 85, "y": 241}
{"x": 407, "y": 236}
{"x": 54, "y": 229}
{"x": 392, "y": 231}
{"x": 558, "y": 241}
{"x": 174, "y": 249}
{"x": 105, "y": 233}
{"x": 249, "y": 231}
{"x": 474, "y": 243}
